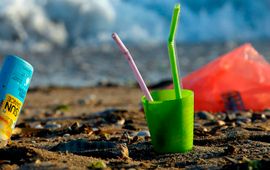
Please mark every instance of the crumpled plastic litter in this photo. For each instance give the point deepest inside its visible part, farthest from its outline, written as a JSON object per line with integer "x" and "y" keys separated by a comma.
{"x": 242, "y": 70}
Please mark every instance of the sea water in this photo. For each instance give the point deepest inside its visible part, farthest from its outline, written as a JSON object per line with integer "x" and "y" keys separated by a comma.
{"x": 48, "y": 23}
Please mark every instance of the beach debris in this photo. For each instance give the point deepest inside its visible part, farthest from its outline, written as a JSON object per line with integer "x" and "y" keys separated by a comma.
{"x": 102, "y": 149}
{"x": 133, "y": 66}
{"x": 240, "y": 70}
{"x": 97, "y": 165}
{"x": 15, "y": 78}
{"x": 175, "y": 71}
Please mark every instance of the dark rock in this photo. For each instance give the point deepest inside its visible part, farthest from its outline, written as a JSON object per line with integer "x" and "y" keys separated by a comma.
{"x": 205, "y": 115}
{"x": 230, "y": 150}
{"x": 102, "y": 149}
{"x": 75, "y": 126}
{"x": 130, "y": 127}
{"x": 258, "y": 116}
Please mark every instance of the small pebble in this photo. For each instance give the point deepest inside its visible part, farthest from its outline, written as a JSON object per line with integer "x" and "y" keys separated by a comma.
{"x": 221, "y": 116}
{"x": 244, "y": 119}
{"x": 231, "y": 116}
{"x": 52, "y": 126}
{"x": 120, "y": 122}
{"x": 221, "y": 123}
{"x": 240, "y": 123}
{"x": 38, "y": 161}
{"x": 66, "y": 135}
{"x": 95, "y": 129}
{"x": 97, "y": 165}
{"x": 143, "y": 133}
{"x": 245, "y": 114}
{"x": 267, "y": 114}
{"x": 39, "y": 126}
{"x": 205, "y": 115}
{"x": 205, "y": 129}
{"x": 223, "y": 128}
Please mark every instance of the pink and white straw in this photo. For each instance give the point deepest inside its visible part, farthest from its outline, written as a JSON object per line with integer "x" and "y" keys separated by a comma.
{"x": 132, "y": 65}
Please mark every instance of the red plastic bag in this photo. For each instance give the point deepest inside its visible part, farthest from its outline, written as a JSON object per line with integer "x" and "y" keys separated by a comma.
{"x": 242, "y": 70}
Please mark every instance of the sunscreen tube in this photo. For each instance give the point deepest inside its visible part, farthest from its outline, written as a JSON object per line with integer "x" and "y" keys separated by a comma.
{"x": 15, "y": 77}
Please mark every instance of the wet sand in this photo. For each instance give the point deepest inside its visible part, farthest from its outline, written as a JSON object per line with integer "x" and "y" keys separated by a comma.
{"x": 82, "y": 128}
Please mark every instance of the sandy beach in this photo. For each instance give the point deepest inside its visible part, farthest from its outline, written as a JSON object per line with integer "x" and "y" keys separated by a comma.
{"x": 83, "y": 107}
{"x": 104, "y": 127}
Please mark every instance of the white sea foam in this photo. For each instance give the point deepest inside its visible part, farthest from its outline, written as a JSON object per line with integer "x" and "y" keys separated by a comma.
{"x": 44, "y": 24}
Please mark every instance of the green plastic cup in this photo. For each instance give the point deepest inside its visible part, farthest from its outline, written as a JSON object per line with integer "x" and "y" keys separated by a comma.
{"x": 170, "y": 120}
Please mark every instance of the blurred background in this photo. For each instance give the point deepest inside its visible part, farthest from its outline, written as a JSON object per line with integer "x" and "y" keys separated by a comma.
{"x": 69, "y": 41}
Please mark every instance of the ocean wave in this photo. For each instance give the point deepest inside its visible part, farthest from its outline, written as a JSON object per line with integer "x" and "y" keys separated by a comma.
{"x": 46, "y": 24}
